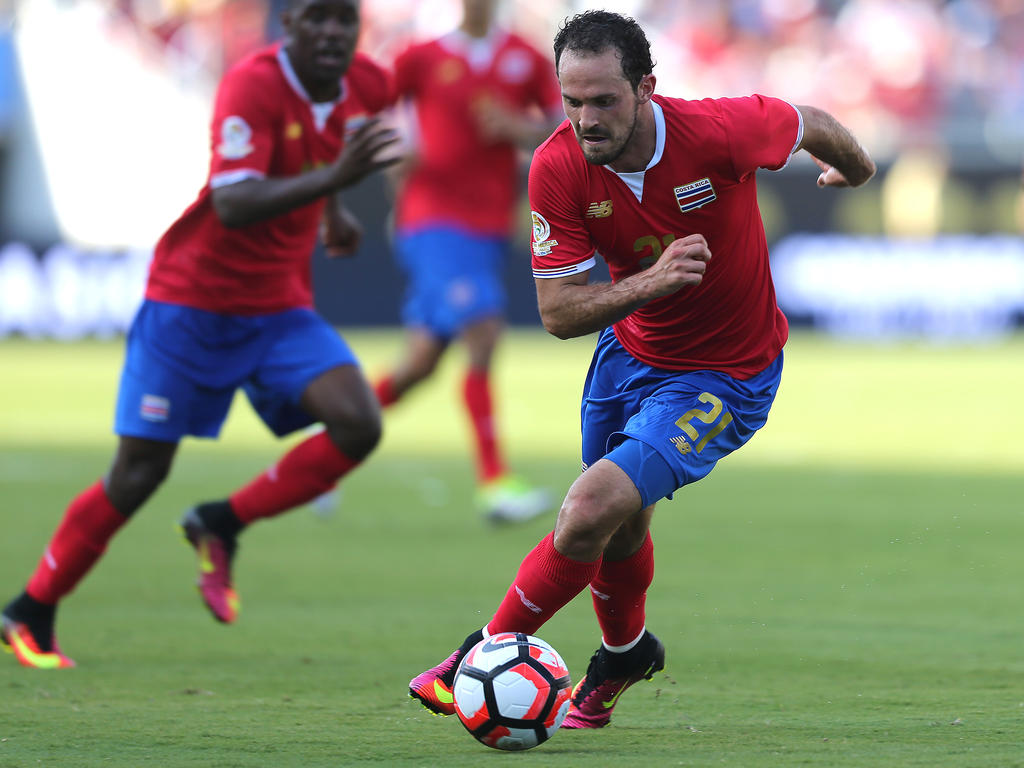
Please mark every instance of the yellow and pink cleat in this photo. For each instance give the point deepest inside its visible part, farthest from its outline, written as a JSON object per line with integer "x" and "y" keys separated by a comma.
{"x": 215, "y": 555}
{"x": 18, "y": 639}
{"x": 433, "y": 688}
{"x": 510, "y": 499}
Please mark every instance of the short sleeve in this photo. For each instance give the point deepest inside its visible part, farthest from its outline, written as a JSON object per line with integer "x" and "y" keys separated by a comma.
{"x": 374, "y": 85}
{"x": 242, "y": 130}
{"x": 407, "y": 73}
{"x": 561, "y": 244}
{"x": 547, "y": 91}
{"x": 762, "y": 132}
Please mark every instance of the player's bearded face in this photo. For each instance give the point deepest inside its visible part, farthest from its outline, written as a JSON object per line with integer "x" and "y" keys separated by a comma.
{"x": 601, "y": 104}
{"x": 603, "y": 144}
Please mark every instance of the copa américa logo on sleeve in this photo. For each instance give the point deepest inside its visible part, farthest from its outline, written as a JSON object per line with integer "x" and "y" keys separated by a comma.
{"x": 235, "y": 138}
{"x": 542, "y": 242}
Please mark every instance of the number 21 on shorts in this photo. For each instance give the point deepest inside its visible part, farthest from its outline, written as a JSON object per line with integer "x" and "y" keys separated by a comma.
{"x": 716, "y": 415}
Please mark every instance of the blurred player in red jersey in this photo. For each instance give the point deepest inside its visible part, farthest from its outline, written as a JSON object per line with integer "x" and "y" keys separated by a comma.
{"x": 480, "y": 94}
{"x": 689, "y": 354}
{"x": 228, "y": 305}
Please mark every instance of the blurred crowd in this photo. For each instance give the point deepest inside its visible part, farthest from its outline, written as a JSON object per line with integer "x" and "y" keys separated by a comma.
{"x": 935, "y": 89}
{"x": 899, "y": 72}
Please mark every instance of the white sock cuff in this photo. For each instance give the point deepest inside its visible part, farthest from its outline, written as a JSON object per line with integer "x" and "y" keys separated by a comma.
{"x": 628, "y": 646}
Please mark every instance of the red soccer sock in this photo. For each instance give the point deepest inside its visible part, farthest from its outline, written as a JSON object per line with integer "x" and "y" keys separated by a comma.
{"x": 476, "y": 393}
{"x": 79, "y": 541}
{"x": 385, "y": 391}
{"x": 620, "y": 594}
{"x": 546, "y": 581}
{"x": 308, "y": 470}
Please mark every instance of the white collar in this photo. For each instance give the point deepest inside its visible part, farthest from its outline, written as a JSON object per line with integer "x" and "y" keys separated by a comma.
{"x": 635, "y": 180}
{"x": 296, "y": 84}
{"x": 659, "y": 141}
{"x": 321, "y": 109}
{"x": 478, "y": 51}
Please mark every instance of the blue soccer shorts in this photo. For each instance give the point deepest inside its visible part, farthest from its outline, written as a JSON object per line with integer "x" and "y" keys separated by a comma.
{"x": 183, "y": 365}
{"x": 666, "y": 429}
{"x": 454, "y": 278}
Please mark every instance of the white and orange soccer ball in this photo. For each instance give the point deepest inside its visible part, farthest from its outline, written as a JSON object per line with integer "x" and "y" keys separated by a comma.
{"x": 512, "y": 691}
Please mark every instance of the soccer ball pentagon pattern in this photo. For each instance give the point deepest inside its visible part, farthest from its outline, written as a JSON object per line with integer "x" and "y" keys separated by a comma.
{"x": 512, "y": 691}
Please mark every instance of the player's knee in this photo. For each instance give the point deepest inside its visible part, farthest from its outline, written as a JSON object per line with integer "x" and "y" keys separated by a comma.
{"x": 355, "y": 434}
{"x": 597, "y": 505}
{"x": 420, "y": 368}
{"x": 130, "y": 483}
{"x": 585, "y": 524}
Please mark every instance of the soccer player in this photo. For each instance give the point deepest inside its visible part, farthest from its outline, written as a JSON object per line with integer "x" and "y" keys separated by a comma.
{"x": 480, "y": 93}
{"x": 228, "y": 305}
{"x": 689, "y": 354}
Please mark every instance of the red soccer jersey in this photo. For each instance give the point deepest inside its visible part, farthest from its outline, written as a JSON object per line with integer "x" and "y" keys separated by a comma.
{"x": 461, "y": 178}
{"x": 700, "y": 180}
{"x": 264, "y": 125}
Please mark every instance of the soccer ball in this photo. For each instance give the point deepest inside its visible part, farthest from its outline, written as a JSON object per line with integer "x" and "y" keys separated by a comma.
{"x": 512, "y": 691}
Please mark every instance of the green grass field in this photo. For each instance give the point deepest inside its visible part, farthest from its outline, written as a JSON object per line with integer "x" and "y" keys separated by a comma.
{"x": 847, "y": 590}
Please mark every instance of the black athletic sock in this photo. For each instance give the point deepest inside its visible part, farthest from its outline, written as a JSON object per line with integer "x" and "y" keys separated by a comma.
{"x": 38, "y": 617}
{"x": 219, "y": 518}
{"x": 449, "y": 677}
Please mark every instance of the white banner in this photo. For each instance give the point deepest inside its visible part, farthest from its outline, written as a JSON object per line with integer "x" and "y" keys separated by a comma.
{"x": 956, "y": 286}
{"x": 68, "y": 294}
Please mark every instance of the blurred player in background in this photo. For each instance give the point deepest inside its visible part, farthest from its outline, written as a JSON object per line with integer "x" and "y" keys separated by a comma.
{"x": 480, "y": 94}
{"x": 689, "y": 354}
{"x": 228, "y": 305}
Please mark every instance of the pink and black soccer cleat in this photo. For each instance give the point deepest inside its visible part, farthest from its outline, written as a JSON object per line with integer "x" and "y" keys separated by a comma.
{"x": 608, "y": 676}
{"x": 215, "y": 555}
{"x": 433, "y": 688}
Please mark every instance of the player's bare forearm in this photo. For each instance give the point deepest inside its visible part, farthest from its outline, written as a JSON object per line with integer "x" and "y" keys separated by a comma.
{"x": 844, "y": 162}
{"x": 340, "y": 230}
{"x": 570, "y": 306}
{"x": 569, "y": 309}
{"x": 253, "y": 200}
{"x": 525, "y": 129}
{"x": 534, "y": 129}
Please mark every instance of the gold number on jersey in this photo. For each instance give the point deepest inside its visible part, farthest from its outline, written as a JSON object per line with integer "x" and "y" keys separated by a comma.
{"x": 655, "y": 245}
{"x": 706, "y": 417}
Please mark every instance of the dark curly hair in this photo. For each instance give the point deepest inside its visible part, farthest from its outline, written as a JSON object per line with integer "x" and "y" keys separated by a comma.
{"x": 597, "y": 31}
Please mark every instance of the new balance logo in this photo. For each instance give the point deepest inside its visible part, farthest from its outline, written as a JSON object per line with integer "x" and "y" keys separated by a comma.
{"x": 600, "y": 210}
{"x": 681, "y": 444}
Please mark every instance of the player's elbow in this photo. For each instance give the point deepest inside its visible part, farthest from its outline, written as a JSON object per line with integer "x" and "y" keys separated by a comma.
{"x": 230, "y": 207}
{"x": 562, "y": 308}
{"x": 557, "y": 326}
{"x": 228, "y": 215}
{"x": 557, "y": 331}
